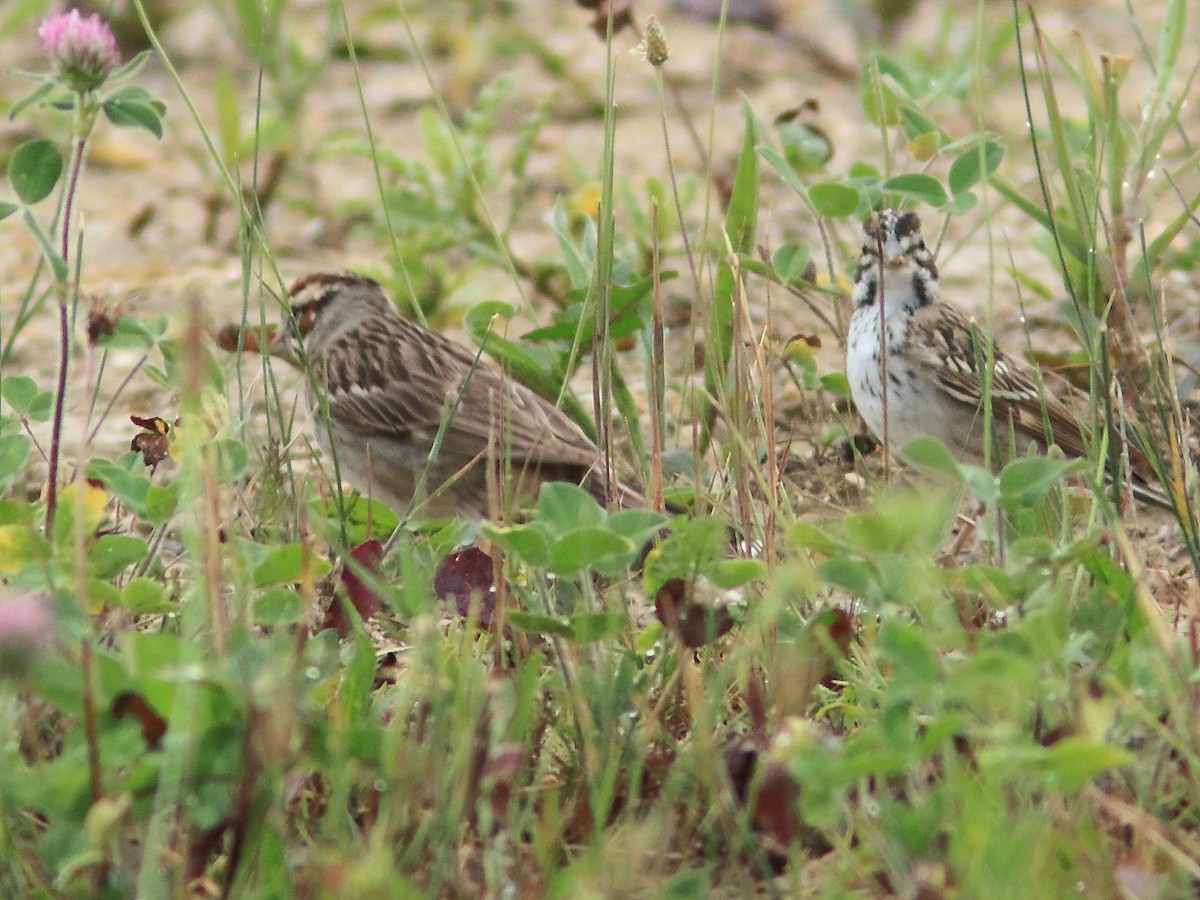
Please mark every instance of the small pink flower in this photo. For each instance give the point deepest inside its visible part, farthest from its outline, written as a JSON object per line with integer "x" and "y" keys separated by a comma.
{"x": 26, "y": 628}
{"x": 83, "y": 51}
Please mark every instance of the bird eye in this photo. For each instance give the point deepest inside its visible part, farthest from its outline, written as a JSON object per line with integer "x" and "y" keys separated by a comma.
{"x": 308, "y": 317}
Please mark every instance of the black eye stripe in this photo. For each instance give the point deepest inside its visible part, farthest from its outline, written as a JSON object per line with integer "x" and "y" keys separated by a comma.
{"x": 887, "y": 225}
{"x": 305, "y": 314}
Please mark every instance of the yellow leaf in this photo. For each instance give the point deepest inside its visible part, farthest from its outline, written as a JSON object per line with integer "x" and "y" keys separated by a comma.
{"x": 802, "y": 346}
{"x": 925, "y": 146}
{"x": 81, "y": 502}
{"x": 19, "y": 546}
{"x": 586, "y": 201}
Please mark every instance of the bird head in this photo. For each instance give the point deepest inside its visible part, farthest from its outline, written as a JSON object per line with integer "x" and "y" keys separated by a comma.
{"x": 324, "y": 306}
{"x": 894, "y": 250}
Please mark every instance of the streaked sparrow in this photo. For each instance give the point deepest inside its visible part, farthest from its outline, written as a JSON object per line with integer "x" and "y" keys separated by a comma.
{"x": 390, "y": 386}
{"x": 934, "y": 358}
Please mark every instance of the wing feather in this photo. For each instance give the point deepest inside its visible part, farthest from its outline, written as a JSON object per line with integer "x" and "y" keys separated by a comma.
{"x": 957, "y": 350}
{"x": 401, "y": 383}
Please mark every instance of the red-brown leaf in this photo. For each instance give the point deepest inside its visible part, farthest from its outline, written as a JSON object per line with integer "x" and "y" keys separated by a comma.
{"x": 154, "y": 726}
{"x": 364, "y": 558}
{"x": 466, "y": 577}
{"x": 154, "y": 441}
{"x": 695, "y": 624}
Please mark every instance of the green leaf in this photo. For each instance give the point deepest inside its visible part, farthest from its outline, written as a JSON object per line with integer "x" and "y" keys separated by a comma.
{"x": 917, "y": 125}
{"x": 803, "y": 533}
{"x": 282, "y": 565}
{"x": 637, "y": 524}
{"x": 906, "y": 646}
{"x": 591, "y": 548}
{"x": 741, "y": 219}
{"x": 129, "y": 69}
{"x": 539, "y": 624}
{"x": 358, "y": 673}
{"x": 784, "y": 169}
{"x": 742, "y": 215}
{"x": 127, "y": 486}
{"x": 587, "y": 628}
{"x": 692, "y": 548}
{"x": 577, "y": 320}
{"x": 731, "y": 573}
{"x": 57, "y": 264}
{"x": 925, "y": 146}
{"x": 836, "y": 383}
{"x": 278, "y": 606}
{"x": 232, "y": 458}
{"x": 1170, "y": 43}
{"x": 930, "y": 453}
{"x": 862, "y": 172}
{"x": 161, "y": 501}
{"x": 132, "y": 107}
{"x": 130, "y": 333}
{"x": 229, "y": 116}
{"x": 807, "y": 149}
{"x": 918, "y": 186}
{"x": 1028, "y": 481}
{"x": 112, "y": 553}
{"x": 22, "y": 394}
{"x": 1075, "y": 761}
{"x": 525, "y": 542}
{"x": 834, "y": 199}
{"x": 31, "y": 98}
{"x": 851, "y": 574}
{"x": 690, "y": 884}
{"x": 648, "y": 637}
{"x": 575, "y": 261}
{"x": 478, "y": 319}
{"x": 145, "y": 595}
{"x": 34, "y": 169}
{"x": 978, "y": 163}
{"x": 7, "y": 209}
{"x": 439, "y": 143}
{"x": 16, "y": 512}
{"x": 790, "y": 262}
{"x": 879, "y": 100}
{"x": 961, "y": 203}
{"x": 101, "y": 595}
{"x": 982, "y": 484}
{"x": 14, "y": 450}
{"x": 563, "y": 507}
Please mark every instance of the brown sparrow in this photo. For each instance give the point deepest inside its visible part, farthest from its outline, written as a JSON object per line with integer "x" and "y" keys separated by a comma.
{"x": 390, "y": 386}
{"x": 933, "y": 359}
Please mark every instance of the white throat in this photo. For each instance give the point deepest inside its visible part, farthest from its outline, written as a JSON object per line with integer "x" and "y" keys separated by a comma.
{"x": 899, "y": 290}
{"x": 904, "y": 288}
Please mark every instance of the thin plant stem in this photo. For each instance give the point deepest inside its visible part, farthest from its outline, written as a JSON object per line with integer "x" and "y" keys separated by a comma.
{"x": 602, "y": 348}
{"x": 657, "y": 367}
{"x": 82, "y": 126}
{"x": 116, "y": 395}
{"x": 883, "y": 361}
{"x": 683, "y": 233}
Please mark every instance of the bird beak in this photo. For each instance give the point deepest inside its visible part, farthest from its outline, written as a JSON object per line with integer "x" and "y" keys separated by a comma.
{"x": 253, "y": 339}
{"x": 893, "y": 254}
{"x": 281, "y": 344}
